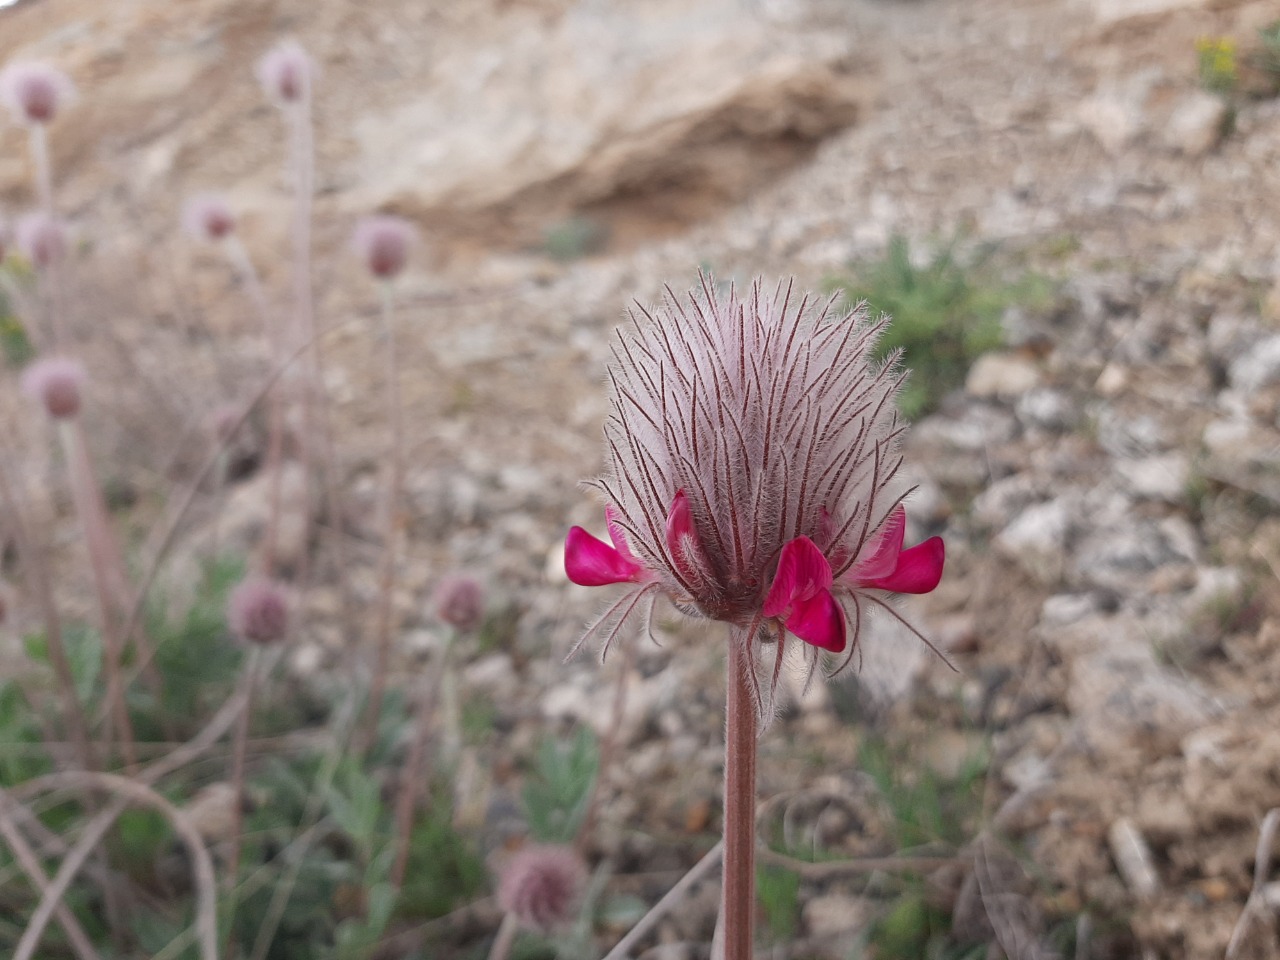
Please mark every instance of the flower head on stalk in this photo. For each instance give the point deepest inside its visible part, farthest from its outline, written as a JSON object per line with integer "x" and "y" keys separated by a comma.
{"x": 752, "y": 472}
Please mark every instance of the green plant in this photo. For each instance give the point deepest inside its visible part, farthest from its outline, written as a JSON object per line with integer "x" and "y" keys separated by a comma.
{"x": 925, "y": 807}
{"x": 945, "y": 313}
{"x": 1219, "y": 71}
{"x": 559, "y": 787}
{"x": 573, "y": 239}
{"x": 778, "y": 890}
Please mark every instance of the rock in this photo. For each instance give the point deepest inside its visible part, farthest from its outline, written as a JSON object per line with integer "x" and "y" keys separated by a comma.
{"x": 1110, "y": 12}
{"x": 1258, "y": 367}
{"x": 1037, "y": 539}
{"x": 611, "y": 99}
{"x": 837, "y": 914}
{"x": 1047, "y": 409}
{"x": 1197, "y": 124}
{"x": 1127, "y": 704}
{"x": 242, "y": 523}
{"x": 1002, "y": 376}
{"x": 1133, "y": 858}
{"x": 1160, "y": 477}
{"x": 1121, "y": 551}
{"x": 1112, "y": 120}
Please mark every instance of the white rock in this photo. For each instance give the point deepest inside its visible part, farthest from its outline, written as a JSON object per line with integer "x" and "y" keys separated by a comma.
{"x": 1197, "y": 124}
{"x": 1257, "y": 368}
{"x": 1003, "y": 376}
{"x": 834, "y": 914}
{"x": 1112, "y": 121}
{"x": 1160, "y": 477}
{"x": 1037, "y": 539}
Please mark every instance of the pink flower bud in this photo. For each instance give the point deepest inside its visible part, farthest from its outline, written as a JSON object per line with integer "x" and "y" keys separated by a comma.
{"x": 35, "y": 91}
{"x": 286, "y": 73}
{"x": 57, "y": 383}
{"x": 208, "y": 216}
{"x": 258, "y": 611}
{"x": 540, "y": 886}
{"x": 383, "y": 244}
{"x": 460, "y": 602}
{"x": 42, "y": 239}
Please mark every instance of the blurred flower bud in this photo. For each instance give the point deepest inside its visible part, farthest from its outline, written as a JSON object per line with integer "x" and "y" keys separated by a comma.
{"x": 57, "y": 383}
{"x": 42, "y": 239}
{"x": 460, "y": 602}
{"x": 383, "y": 244}
{"x": 208, "y": 216}
{"x": 540, "y": 885}
{"x": 286, "y": 73}
{"x": 34, "y": 91}
{"x": 258, "y": 611}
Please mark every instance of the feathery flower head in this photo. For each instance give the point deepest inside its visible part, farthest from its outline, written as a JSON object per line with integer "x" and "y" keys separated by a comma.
{"x": 208, "y": 216}
{"x": 42, "y": 239}
{"x": 35, "y": 91}
{"x": 460, "y": 602}
{"x": 57, "y": 383}
{"x": 286, "y": 73}
{"x": 383, "y": 243}
{"x": 751, "y": 457}
{"x": 258, "y": 611}
{"x": 541, "y": 884}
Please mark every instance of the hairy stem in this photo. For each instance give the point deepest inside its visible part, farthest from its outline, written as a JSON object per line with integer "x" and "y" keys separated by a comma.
{"x": 506, "y": 937}
{"x": 244, "y": 269}
{"x": 415, "y": 772}
{"x": 391, "y": 497}
{"x": 239, "y": 754}
{"x": 39, "y": 141}
{"x": 739, "y": 895}
{"x": 87, "y": 499}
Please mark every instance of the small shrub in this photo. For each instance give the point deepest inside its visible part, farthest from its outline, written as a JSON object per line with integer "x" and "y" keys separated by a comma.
{"x": 1218, "y": 67}
{"x": 945, "y": 314}
{"x": 559, "y": 787}
{"x": 573, "y": 239}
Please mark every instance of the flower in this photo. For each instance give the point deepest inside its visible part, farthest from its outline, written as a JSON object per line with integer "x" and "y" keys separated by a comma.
{"x": 42, "y": 239}
{"x": 540, "y": 885}
{"x": 286, "y": 73}
{"x": 57, "y": 383}
{"x": 460, "y": 602}
{"x": 751, "y": 470}
{"x": 383, "y": 244}
{"x": 34, "y": 91}
{"x": 208, "y": 216}
{"x": 258, "y": 611}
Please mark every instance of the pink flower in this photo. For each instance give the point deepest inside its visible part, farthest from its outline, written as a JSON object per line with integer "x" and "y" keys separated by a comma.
{"x": 286, "y": 73}
{"x": 383, "y": 243}
{"x": 460, "y": 602}
{"x": 258, "y": 611}
{"x": 208, "y": 216}
{"x": 541, "y": 885}
{"x": 35, "y": 91}
{"x": 751, "y": 470}
{"x": 57, "y": 383}
{"x": 42, "y": 239}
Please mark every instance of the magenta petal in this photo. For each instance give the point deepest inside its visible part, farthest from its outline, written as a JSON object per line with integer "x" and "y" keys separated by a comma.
{"x": 885, "y": 549}
{"x": 679, "y": 523}
{"x": 802, "y": 573}
{"x": 590, "y": 562}
{"x": 919, "y": 569}
{"x": 819, "y": 621}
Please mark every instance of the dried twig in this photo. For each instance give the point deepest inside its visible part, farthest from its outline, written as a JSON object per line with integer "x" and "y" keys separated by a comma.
{"x": 30, "y": 864}
{"x": 127, "y": 791}
{"x": 1261, "y": 868}
{"x": 659, "y": 909}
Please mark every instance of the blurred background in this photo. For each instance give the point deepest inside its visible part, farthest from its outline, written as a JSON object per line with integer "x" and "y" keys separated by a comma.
{"x": 1071, "y": 208}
